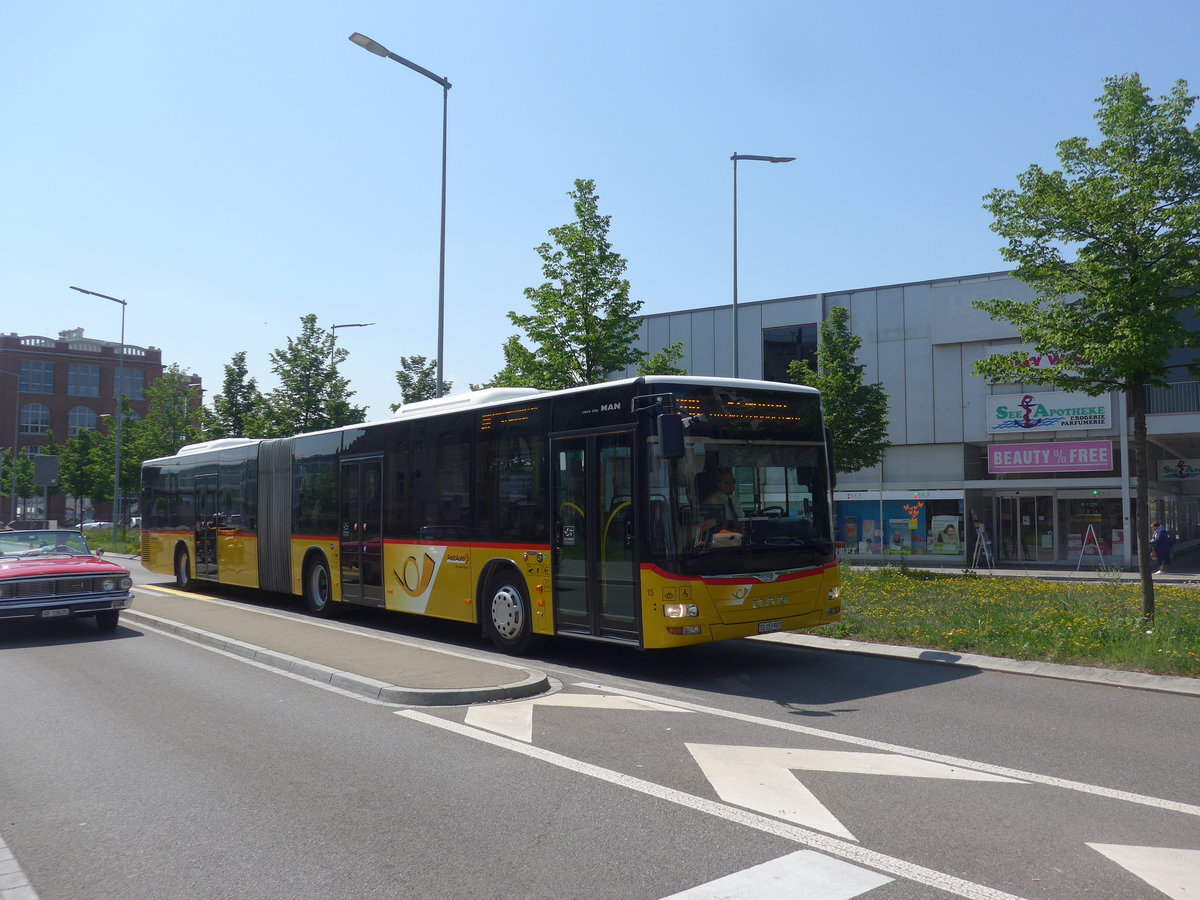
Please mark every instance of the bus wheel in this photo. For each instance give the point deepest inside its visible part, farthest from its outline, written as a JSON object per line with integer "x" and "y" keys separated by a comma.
{"x": 183, "y": 569}
{"x": 318, "y": 588}
{"x": 509, "y": 622}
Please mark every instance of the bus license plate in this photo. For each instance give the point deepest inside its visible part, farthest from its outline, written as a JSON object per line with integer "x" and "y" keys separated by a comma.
{"x": 768, "y": 627}
{"x": 49, "y": 613}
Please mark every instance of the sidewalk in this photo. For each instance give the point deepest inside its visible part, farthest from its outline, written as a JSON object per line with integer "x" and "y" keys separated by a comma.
{"x": 389, "y": 669}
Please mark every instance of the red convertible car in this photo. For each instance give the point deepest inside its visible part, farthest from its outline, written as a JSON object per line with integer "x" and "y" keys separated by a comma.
{"x": 48, "y": 574}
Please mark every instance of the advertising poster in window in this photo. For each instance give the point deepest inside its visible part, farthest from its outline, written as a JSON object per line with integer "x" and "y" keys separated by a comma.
{"x": 899, "y": 536}
{"x": 947, "y": 534}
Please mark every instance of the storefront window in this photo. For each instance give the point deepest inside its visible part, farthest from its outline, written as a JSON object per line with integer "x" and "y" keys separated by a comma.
{"x": 1087, "y": 523}
{"x": 916, "y": 527}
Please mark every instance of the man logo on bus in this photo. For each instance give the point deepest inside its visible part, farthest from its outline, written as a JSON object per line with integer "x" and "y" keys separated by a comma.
{"x": 416, "y": 577}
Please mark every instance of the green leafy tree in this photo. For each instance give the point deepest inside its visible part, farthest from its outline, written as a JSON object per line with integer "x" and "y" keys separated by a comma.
{"x": 663, "y": 362}
{"x": 77, "y": 473}
{"x": 312, "y": 394}
{"x": 856, "y": 412}
{"x": 417, "y": 378}
{"x": 174, "y": 418}
{"x": 1128, "y": 208}
{"x": 23, "y": 474}
{"x": 234, "y": 407}
{"x": 583, "y": 322}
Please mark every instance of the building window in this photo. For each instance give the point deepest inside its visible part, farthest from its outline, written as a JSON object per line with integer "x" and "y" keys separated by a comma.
{"x": 81, "y": 418}
{"x": 35, "y": 418}
{"x": 782, "y": 345}
{"x": 37, "y": 377}
{"x": 83, "y": 380}
{"x": 134, "y": 382}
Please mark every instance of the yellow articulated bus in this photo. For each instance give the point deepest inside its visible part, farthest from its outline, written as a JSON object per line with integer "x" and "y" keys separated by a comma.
{"x": 655, "y": 512}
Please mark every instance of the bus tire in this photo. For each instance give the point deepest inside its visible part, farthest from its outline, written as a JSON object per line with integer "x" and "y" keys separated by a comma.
{"x": 183, "y": 569}
{"x": 318, "y": 588}
{"x": 507, "y": 613}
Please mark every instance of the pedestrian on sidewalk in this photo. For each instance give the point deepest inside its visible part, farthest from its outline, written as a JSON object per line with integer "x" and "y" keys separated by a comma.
{"x": 1160, "y": 543}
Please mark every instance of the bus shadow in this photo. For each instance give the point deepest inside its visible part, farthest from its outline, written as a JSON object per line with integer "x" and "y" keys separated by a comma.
{"x": 808, "y": 682}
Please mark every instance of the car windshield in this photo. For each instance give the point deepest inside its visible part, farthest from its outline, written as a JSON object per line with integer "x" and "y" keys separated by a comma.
{"x": 42, "y": 543}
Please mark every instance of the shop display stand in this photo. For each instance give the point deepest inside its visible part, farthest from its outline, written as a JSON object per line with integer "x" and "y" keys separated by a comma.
{"x": 1090, "y": 534}
{"x": 983, "y": 547}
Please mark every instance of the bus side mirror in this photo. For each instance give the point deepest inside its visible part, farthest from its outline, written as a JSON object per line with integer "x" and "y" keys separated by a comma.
{"x": 670, "y": 435}
{"x": 830, "y": 458}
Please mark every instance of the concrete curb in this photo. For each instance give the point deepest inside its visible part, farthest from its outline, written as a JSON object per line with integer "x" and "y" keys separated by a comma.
{"x": 534, "y": 683}
{"x": 1168, "y": 684}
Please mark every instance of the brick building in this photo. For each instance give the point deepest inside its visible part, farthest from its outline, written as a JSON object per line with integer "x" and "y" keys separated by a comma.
{"x": 53, "y": 387}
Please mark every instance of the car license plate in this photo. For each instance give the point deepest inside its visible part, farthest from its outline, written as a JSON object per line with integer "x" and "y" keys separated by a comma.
{"x": 50, "y": 613}
{"x": 768, "y": 627}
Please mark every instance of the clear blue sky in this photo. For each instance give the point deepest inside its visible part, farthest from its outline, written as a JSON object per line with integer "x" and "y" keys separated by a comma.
{"x": 229, "y": 166}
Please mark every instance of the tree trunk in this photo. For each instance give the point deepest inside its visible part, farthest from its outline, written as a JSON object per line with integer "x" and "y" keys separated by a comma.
{"x": 1141, "y": 536}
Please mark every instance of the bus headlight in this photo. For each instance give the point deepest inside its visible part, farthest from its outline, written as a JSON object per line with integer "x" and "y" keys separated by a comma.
{"x": 680, "y": 610}
{"x": 835, "y": 606}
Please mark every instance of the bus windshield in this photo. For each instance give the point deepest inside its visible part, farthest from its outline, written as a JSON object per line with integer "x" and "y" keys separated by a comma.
{"x": 747, "y": 498}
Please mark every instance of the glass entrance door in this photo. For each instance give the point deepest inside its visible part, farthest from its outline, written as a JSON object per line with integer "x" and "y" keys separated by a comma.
{"x": 1025, "y": 529}
{"x": 594, "y": 564}
{"x": 362, "y": 531}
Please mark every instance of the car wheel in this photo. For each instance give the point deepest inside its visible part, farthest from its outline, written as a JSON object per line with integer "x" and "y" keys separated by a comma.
{"x": 183, "y": 569}
{"x": 108, "y": 620}
{"x": 318, "y": 588}
{"x": 508, "y": 617}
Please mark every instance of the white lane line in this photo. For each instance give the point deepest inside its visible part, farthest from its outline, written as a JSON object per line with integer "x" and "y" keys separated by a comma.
{"x": 813, "y": 875}
{"x": 14, "y": 885}
{"x": 823, "y": 843}
{"x": 1048, "y": 780}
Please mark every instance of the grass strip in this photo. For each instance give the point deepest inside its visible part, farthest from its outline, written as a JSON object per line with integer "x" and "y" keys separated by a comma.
{"x": 1092, "y": 624}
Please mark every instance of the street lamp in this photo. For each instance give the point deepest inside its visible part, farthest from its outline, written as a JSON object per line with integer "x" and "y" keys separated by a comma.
{"x": 16, "y": 436}
{"x": 120, "y": 395}
{"x": 333, "y": 331}
{"x": 735, "y": 158}
{"x": 379, "y": 50}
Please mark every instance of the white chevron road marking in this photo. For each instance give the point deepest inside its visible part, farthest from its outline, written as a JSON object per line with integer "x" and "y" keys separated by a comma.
{"x": 1174, "y": 872}
{"x": 515, "y": 720}
{"x": 762, "y": 779}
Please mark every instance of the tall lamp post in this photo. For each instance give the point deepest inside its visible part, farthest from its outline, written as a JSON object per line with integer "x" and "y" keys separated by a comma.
{"x": 120, "y": 395}
{"x": 16, "y": 436}
{"x": 379, "y": 50}
{"x": 334, "y": 329}
{"x": 736, "y": 157}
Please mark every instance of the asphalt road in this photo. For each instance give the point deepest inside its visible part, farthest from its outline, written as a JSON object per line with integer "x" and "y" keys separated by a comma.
{"x": 145, "y": 765}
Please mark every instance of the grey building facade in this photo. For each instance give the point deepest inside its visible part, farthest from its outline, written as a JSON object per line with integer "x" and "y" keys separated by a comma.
{"x": 976, "y": 472}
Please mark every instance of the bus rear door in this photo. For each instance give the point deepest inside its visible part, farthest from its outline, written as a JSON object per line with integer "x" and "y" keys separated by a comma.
{"x": 362, "y": 531}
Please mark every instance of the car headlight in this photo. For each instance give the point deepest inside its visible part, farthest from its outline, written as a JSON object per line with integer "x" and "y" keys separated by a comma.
{"x": 126, "y": 583}
{"x": 108, "y": 584}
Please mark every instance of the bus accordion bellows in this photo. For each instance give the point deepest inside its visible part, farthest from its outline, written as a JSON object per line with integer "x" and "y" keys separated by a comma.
{"x": 656, "y": 512}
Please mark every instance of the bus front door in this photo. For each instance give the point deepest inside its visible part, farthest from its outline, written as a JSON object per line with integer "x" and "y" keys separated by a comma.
{"x": 594, "y": 563}
{"x": 205, "y": 537}
{"x": 362, "y": 531}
